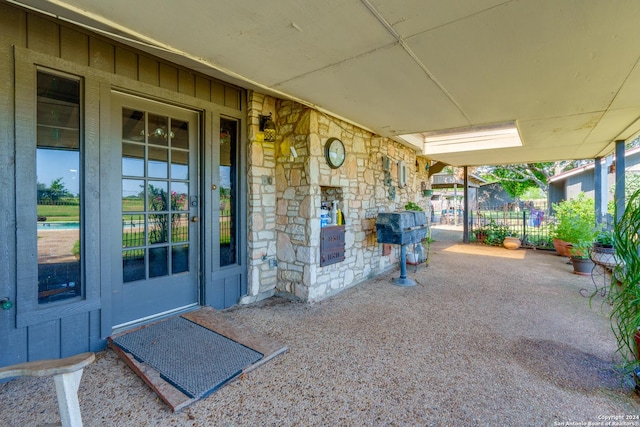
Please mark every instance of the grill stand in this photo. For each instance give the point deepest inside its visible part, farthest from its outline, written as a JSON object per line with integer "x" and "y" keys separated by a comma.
{"x": 403, "y": 280}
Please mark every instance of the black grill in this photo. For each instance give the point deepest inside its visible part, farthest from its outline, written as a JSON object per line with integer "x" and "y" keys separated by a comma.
{"x": 402, "y": 228}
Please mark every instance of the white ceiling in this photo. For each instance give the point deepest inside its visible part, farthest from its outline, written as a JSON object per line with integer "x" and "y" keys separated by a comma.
{"x": 566, "y": 71}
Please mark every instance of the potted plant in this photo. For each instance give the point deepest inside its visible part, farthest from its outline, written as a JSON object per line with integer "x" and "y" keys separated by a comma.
{"x": 575, "y": 225}
{"x": 579, "y": 256}
{"x": 495, "y": 234}
{"x": 602, "y": 251}
{"x": 625, "y": 298}
{"x": 480, "y": 234}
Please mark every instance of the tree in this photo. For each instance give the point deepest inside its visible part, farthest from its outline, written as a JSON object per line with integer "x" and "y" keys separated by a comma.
{"x": 52, "y": 193}
{"x": 517, "y": 178}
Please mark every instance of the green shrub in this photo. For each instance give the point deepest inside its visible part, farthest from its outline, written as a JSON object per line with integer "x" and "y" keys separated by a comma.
{"x": 575, "y": 223}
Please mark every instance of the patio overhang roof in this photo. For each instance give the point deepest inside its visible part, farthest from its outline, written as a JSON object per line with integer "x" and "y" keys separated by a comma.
{"x": 565, "y": 73}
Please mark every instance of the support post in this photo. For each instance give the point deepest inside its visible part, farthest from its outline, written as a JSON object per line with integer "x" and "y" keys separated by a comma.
{"x": 620, "y": 183}
{"x": 597, "y": 176}
{"x": 465, "y": 212}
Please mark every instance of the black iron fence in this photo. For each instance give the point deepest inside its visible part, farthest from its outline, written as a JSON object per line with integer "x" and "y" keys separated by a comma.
{"x": 530, "y": 223}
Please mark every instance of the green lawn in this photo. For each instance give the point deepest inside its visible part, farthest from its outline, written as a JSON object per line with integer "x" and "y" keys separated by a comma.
{"x": 59, "y": 212}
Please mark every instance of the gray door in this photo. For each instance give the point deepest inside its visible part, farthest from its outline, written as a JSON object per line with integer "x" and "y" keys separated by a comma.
{"x": 158, "y": 209}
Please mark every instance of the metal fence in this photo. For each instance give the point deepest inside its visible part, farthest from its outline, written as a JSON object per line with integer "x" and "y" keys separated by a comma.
{"x": 530, "y": 223}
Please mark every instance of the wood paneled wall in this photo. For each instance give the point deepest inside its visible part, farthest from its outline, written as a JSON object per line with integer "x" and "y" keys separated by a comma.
{"x": 18, "y": 27}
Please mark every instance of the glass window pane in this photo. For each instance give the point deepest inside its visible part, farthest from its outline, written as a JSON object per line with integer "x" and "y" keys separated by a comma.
{"x": 179, "y": 164}
{"x": 57, "y": 137}
{"x": 132, "y": 125}
{"x": 158, "y": 228}
{"x": 179, "y": 196}
{"x": 133, "y": 265}
{"x": 179, "y": 259}
{"x": 227, "y": 180}
{"x": 179, "y": 228}
{"x": 158, "y": 126}
{"x": 158, "y": 262}
{"x": 132, "y": 159}
{"x": 180, "y": 134}
{"x": 58, "y": 188}
{"x": 157, "y": 195}
{"x": 158, "y": 162}
{"x": 132, "y": 231}
{"x": 132, "y": 195}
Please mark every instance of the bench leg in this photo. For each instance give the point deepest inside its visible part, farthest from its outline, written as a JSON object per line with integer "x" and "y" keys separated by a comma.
{"x": 67, "y": 392}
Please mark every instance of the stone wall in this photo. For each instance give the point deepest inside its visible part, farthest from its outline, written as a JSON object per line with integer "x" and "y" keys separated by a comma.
{"x": 285, "y": 217}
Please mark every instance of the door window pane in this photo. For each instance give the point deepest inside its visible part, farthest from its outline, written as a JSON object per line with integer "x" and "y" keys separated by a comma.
{"x": 158, "y": 228}
{"x": 179, "y": 259}
{"x": 133, "y": 265}
{"x": 179, "y": 196}
{"x": 179, "y": 164}
{"x": 158, "y": 129}
{"x": 158, "y": 162}
{"x": 59, "y": 188}
{"x": 179, "y": 134}
{"x": 158, "y": 265}
{"x": 157, "y": 195}
{"x": 179, "y": 227}
{"x": 132, "y": 231}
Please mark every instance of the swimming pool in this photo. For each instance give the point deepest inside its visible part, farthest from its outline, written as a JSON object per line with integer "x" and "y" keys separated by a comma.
{"x": 59, "y": 225}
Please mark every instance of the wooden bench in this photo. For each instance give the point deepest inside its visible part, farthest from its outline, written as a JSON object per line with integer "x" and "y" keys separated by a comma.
{"x": 66, "y": 376}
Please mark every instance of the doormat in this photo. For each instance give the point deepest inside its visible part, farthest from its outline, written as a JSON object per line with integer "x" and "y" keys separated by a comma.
{"x": 194, "y": 359}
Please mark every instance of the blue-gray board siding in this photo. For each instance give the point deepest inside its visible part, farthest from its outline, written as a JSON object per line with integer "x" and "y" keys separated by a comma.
{"x": 24, "y": 33}
{"x": 224, "y": 291}
{"x": 53, "y": 339}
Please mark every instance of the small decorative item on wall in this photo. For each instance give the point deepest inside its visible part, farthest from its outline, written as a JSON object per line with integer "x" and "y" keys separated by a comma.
{"x": 402, "y": 174}
{"x": 334, "y": 153}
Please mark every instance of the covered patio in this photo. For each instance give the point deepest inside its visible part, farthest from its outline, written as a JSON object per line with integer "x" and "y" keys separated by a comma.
{"x": 506, "y": 340}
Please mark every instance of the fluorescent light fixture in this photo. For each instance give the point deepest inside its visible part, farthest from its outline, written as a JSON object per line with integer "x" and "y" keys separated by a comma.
{"x": 489, "y": 137}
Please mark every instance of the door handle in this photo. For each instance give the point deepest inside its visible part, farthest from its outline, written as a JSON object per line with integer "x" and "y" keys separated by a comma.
{"x": 195, "y": 219}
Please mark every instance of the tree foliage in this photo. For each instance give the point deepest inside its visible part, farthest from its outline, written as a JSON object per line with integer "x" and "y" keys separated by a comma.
{"x": 517, "y": 178}
{"x": 54, "y": 192}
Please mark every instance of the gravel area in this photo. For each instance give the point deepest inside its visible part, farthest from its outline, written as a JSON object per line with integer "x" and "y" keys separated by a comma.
{"x": 487, "y": 337}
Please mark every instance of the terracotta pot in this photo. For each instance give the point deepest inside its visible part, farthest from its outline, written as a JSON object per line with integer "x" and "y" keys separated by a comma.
{"x": 511, "y": 242}
{"x": 636, "y": 374}
{"x": 562, "y": 247}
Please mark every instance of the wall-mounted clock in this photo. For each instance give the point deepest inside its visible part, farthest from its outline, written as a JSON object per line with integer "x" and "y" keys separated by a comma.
{"x": 334, "y": 152}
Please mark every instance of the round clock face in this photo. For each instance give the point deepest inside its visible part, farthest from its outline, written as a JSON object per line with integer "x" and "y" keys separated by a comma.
{"x": 334, "y": 152}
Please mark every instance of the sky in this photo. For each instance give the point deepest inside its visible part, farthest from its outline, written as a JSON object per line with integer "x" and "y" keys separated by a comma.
{"x": 54, "y": 164}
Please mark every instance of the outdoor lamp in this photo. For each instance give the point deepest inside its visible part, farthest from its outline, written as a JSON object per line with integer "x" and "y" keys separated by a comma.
{"x": 268, "y": 127}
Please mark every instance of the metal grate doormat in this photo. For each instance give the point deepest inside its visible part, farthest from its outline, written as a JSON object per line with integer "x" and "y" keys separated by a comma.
{"x": 194, "y": 359}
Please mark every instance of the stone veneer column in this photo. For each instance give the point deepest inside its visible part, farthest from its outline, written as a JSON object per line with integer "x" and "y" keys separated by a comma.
{"x": 284, "y": 216}
{"x": 261, "y": 202}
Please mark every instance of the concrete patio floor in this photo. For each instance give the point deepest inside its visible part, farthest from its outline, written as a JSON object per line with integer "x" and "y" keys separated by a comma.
{"x": 487, "y": 337}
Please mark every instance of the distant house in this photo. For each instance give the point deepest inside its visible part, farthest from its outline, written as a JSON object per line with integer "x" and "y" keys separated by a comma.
{"x": 569, "y": 184}
{"x": 492, "y": 196}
